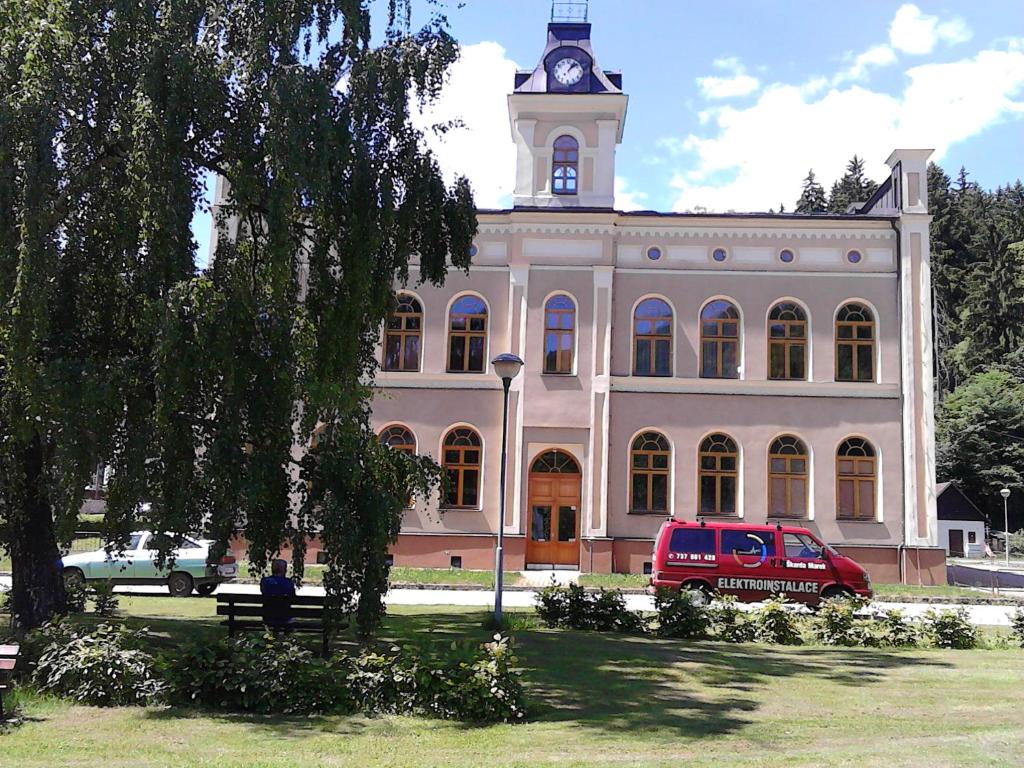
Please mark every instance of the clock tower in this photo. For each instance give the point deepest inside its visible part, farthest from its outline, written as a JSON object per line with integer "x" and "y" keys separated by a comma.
{"x": 567, "y": 116}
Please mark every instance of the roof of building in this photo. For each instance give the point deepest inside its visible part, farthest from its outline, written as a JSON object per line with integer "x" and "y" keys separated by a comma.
{"x": 953, "y": 504}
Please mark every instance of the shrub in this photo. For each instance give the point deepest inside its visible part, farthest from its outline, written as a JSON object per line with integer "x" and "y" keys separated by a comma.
{"x": 257, "y": 673}
{"x": 104, "y": 667}
{"x": 773, "y": 623}
{"x": 573, "y": 607}
{"x": 729, "y": 622}
{"x": 75, "y": 594}
{"x": 103, "y": 598}
{"x": 1017, "y": 626}
{"x": 951, "y": 629}
{"x": 679, "y": 616}
{"x": 6, "y": 603}
{"x": 897, "y": 631}
{"x": 837, "y": 623}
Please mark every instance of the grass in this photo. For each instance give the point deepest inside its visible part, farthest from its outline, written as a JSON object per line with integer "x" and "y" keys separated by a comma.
{"x": 314, "y": 575}
{"x": 597, "y": 700}
{"x": 890, "y": 591}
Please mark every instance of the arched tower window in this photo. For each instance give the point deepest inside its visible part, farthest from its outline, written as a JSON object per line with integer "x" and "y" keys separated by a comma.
{"x": 559, "y": 334}
{"x": 856, "y": 479}
{"x": 787, "y": 341}
{"x": 403, "y": 335}
{"x": 855, "y": 343}
{"x": 461, "y": 462}
{"x": 565, "y": 166}
{"x": 787, "y": 477}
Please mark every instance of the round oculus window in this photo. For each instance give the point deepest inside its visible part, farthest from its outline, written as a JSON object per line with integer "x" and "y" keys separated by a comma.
{"x": 719, "y": 254}
{"x": 853, "y": 257}
{"x": 786, "y": 256}
{"x": 654, "y": 253}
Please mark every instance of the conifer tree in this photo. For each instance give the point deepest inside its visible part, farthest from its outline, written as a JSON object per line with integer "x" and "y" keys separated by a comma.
{"x": 812, "y": 197}
{"x": 853, "y": 187}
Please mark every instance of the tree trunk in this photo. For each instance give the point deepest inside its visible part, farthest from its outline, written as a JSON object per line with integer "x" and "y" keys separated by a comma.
{"x": 38, "y": 585}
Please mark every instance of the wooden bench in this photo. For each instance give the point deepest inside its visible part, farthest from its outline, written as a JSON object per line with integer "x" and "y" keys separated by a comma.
{"x": 301, "y": 613}
{"x": 8, "y": 660}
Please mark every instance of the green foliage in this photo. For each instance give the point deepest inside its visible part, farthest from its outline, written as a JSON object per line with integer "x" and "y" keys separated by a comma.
{"x": 269, "y": 674}
{"x": 104, "y": 601}
{"x": 897, "y": 631}
{"x": 729, "y": 622}
{"x": 103, "y": 667}
{"x": 1017, "y": 626}
{"x": 193, "y": 385}
{"x": 463, "y": 682}
{"x": 836, "y": 623}
{"x": 679, "y": 615}
{"x": 573, "y": 607}
{"x": 774, "y": 623}
{"x": 853, "y": 187}
{"x": 76, "y": 594}
{"x": 950, "y": 629}
{"x": 812, "y": 197}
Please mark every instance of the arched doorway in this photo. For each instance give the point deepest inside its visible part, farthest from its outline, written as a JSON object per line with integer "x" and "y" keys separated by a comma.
{"x": 553, "y": 522}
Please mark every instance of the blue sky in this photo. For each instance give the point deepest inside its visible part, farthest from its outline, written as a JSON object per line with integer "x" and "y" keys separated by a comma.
{"x": 732, "y": 101}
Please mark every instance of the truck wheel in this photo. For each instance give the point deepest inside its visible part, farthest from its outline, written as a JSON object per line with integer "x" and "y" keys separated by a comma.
{"x": 699, "y": 593}
{"x": 206, "y": 589}
{"x": 73, "y": 577}
{"x": 179, "y": 584}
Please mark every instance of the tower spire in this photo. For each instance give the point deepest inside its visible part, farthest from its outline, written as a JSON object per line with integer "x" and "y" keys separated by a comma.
{"x": 569, "y": 12}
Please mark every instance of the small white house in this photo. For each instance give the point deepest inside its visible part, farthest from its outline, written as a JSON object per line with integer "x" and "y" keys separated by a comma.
{"x": 961, "y": 523}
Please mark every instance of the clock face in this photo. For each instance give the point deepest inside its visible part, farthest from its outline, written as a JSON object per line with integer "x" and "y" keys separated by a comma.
{"x": 568, "y": 71}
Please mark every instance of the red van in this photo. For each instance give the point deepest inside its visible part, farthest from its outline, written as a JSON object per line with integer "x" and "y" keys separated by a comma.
{"x": 753, "y": 562}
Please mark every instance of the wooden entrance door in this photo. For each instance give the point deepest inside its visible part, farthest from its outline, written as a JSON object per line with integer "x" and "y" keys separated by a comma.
{"x": 956, "y": 542}
{"x": 553, "y": 522}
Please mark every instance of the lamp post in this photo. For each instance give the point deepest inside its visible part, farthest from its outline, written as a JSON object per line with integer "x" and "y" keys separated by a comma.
{"x": 507, "y": 366}
{"x": 1005, "y": 493}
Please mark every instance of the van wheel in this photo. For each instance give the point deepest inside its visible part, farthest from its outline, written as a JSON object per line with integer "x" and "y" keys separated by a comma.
{"x": 837, "y": 593}
{"x": 179, "y": 584}
{"x": 699, "y": 593}
{"x": 206, "y": 589}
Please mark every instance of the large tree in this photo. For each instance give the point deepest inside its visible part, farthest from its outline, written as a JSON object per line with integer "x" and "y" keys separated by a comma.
{"x": 812, "y": 196}
{"x": 202, "y": 390}
{"x": 853, "y": 187}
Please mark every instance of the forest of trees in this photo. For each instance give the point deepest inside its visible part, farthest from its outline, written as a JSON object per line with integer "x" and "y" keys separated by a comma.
{"x": 977, "y": 247}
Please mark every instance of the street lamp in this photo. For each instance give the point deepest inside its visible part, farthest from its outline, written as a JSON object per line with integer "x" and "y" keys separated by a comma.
{"x": 1005, "y": 493}
{"x": 507, "y": 366}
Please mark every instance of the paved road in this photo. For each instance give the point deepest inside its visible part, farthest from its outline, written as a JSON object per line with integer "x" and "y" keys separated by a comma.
{"x": 994, "y": 615}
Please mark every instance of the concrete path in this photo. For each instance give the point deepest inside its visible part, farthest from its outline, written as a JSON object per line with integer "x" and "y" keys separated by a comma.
{"x": 992, "y": 615}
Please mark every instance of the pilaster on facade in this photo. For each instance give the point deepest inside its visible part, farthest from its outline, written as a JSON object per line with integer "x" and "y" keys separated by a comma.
{"x": 518, "y": 290}
{"x": 599, "y": 401}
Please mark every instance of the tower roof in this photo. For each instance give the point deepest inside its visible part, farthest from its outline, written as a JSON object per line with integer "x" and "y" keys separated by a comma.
{"x": 568, "y": 40}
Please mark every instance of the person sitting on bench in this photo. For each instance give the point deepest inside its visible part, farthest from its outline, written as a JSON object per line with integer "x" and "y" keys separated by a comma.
{"x": 277, "y": 590}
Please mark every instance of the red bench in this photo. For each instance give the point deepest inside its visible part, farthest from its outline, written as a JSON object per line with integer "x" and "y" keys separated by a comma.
{"x": 8, "y": 660}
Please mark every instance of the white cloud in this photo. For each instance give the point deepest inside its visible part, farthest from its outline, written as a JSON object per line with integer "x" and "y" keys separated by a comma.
{"x": 757, "y": 156}
{"x": 738, "y": 83}
{"x": 914, "y": 32}
{"x": 627, "y": 199}
{"x": 482, "y": 150}
{"x": 878, "y": 56}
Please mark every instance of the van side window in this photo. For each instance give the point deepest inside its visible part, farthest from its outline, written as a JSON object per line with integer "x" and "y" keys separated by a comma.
{"x": 693, "y": 541}
{"x": 799, "y": 545}
{"x": 754, "y": 543}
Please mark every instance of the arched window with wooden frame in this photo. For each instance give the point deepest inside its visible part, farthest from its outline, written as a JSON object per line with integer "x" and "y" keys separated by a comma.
{"x": 565, "y": 166}
{"x": 403, "y": 335}
{"x": 719, "y": 340}
{"x": 718, "y": 481}
{"x": 555, "y": 463}
{"x": 650, "y": 466}
{"x": 856, "y": 479}
{"x": 787, "y": 477}
{"x": 462, "y": 459}
{"x": 559, "y": 334}
{"x": 652, "y": 338}
{"x": 399, "y": 437}
{"x": 855, "y": 343}
{"x": 787, "y": 342}
{"x": 467, "y": 335}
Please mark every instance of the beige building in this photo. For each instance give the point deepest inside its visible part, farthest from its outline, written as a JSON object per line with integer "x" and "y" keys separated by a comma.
{"x": 754, "y": 366}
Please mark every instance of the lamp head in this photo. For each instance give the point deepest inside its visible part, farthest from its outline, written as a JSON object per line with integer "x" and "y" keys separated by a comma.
{"x": 1005, "y": 493}
{"x": 507, "y": 365}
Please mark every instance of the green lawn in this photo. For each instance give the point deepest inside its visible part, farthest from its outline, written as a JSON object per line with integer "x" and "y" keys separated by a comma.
{"x": 314, "y": 575}
{"x": 890, "y": 591}
{"x": 597, "y": 700}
